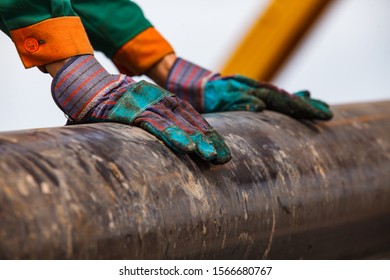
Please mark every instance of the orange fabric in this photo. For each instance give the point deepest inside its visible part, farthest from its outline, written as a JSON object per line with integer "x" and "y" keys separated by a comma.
{"x": 142, "y": 52}
{"x": 51, "y": 40}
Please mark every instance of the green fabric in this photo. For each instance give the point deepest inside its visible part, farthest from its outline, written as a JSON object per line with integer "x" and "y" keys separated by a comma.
{"x": 222, "y": 95}
{"x": 3, "y": 27}
{"x": 174, "y": 137}
{"x": 137, "y": 98}
{"x": 179, "y": 141}
{"x": 17, "y": 14}
{"x": 205, "y": 147}
{"x": 299, "y": 105}
{"x": 109, "y": 24}
{"x": 223, "y": 151}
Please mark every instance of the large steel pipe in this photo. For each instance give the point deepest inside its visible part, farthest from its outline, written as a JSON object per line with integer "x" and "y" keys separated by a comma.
{"x": 292, "y": 190}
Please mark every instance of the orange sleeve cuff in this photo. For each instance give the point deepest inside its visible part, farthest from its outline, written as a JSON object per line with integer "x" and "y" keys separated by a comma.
{"x": 142, "y": 52}
{"x": 51, "y": 40}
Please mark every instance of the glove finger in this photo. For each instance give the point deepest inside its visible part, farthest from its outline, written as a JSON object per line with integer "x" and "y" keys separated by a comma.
{"x": 242, "y": 79}
{"x": 318, "y": 109}
{"x": 323, "y": 113}
{"x": 303, "y": 93}
{"x": 295, "y": 105}
{"x": 180, "y": 133}
{"x": 180, "y": 141}
{"x": 209, "y": 136}
{"x": 249, "y": 103}
{"x": 173, "y": 137}
{"x": 298, "y": 105}
{"x": 196, "y": 126}
{"x": 308, "y": 110}
{"x": 186, "y": 112}
{"x": 242, "y": 101}
{"x": 223, "y": 151}
{"x": 183, "y": 116}
{"x": 204, "y": 147}
{"x": 166, "y": 131}
{"x": 187, "y": 119}
{"x": 264, "y": 94}
{"x": 319, "y": 103}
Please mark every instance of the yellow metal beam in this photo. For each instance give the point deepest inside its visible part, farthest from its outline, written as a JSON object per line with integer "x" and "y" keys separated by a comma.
{"x": 273, "y": 37}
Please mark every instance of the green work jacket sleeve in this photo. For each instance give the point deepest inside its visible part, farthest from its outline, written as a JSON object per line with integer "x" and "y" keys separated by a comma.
{"x": 45, "y": 31}
{"x": 120, "y": 30}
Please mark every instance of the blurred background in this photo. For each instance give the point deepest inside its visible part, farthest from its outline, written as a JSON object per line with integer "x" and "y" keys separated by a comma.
{"x": 345, "y": 57}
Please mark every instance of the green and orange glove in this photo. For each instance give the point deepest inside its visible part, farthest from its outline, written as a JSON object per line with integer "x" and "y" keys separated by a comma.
{"x": 210, "y": 92}
{"x": 86, "y": 92}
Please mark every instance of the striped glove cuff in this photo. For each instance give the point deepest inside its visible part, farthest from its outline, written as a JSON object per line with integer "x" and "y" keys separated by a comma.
{"x": 84, "y": 87}
{"x": 187, "y": 81}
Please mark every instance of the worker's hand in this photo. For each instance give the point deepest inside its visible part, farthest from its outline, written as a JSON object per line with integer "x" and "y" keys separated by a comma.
{"x": 87, "y": 93}
{"x": 210, "y": 92}
{"x": 298, "y": 105}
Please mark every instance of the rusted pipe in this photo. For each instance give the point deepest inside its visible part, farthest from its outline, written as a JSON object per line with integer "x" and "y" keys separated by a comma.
{"x": 292, "y": 190}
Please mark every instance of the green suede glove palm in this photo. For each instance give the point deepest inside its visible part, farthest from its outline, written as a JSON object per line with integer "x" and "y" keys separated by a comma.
{"x": 210, "y": 92}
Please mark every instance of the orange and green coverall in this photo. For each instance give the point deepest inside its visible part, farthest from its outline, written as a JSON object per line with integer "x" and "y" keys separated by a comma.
{"x": 45, "y": 31}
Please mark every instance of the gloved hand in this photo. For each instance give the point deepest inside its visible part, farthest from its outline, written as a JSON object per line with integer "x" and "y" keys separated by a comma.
{"x": 86, "y": 92}
{"x": 210, "y": 92}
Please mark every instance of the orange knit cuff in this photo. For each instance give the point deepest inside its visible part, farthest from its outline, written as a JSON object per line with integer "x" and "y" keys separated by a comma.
{"x": 51, "y": 40}
{"x": 142, "y": 52}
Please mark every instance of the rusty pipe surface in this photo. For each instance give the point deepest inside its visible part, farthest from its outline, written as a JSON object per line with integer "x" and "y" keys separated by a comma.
{"x": 292, "y": 190}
